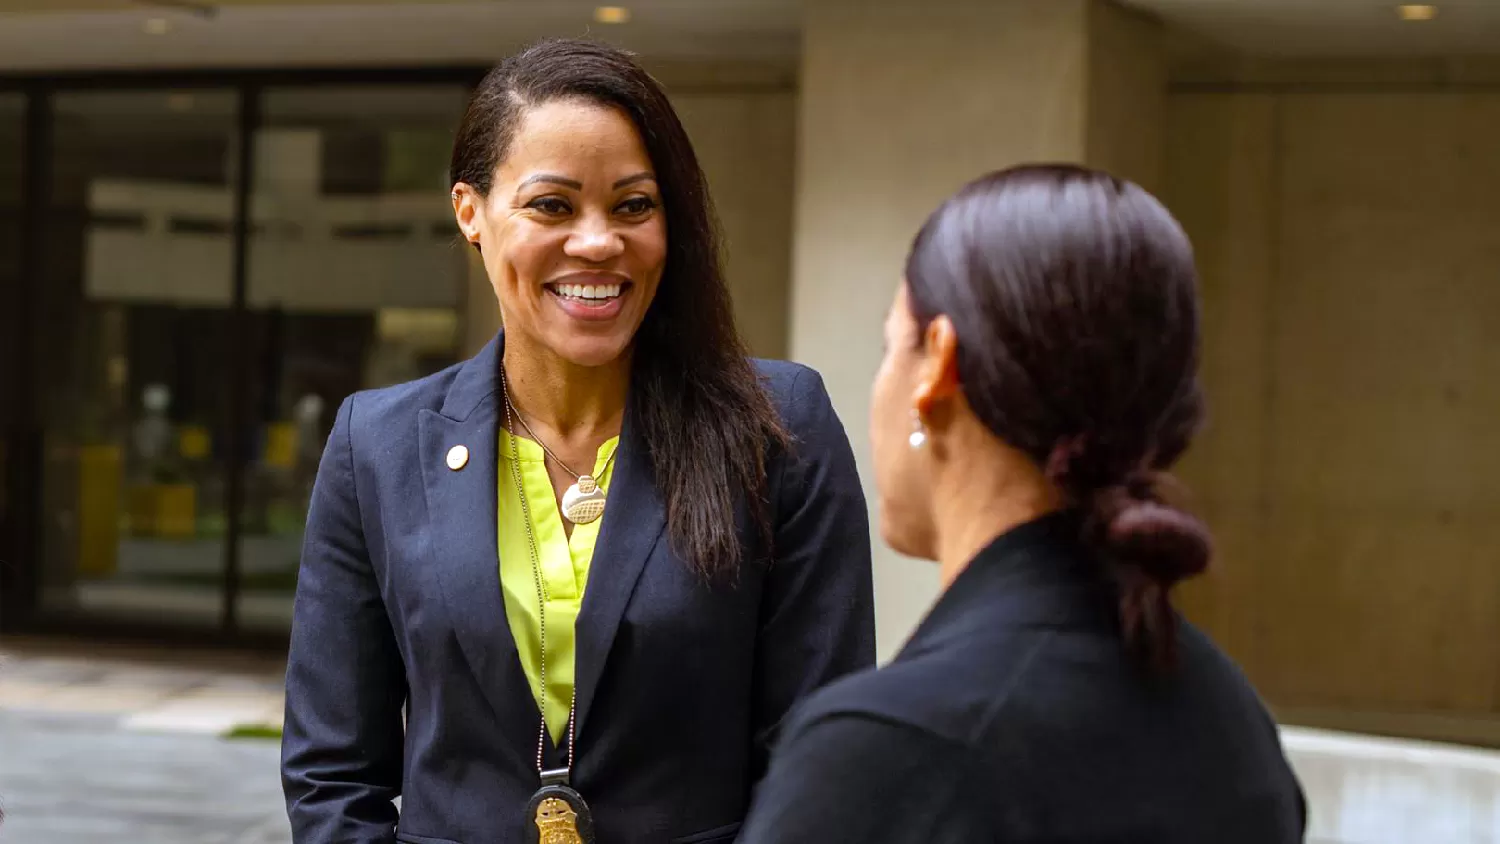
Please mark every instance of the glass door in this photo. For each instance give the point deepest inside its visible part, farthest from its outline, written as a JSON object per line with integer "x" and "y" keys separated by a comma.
{"x": 356, "y": 280}
{"x": 131, "y": 314}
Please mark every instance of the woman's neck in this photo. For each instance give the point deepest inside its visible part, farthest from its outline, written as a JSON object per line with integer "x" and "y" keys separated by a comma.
{"x": 575, "y": 404}
{"x": 984, "y": 496}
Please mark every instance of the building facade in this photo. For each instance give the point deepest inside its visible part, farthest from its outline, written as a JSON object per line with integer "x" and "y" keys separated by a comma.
{"x": 197, "y": 264}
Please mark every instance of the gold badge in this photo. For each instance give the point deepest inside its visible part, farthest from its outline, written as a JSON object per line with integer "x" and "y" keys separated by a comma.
{"x": 557, "y": 823}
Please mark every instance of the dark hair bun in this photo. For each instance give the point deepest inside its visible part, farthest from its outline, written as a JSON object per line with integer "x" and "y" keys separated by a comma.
{"x": 1150, "y": 546}
{"x": 1166, "y": 544}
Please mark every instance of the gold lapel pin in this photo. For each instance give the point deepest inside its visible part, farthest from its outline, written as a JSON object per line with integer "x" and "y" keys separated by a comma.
{"x": 458, "y": 457}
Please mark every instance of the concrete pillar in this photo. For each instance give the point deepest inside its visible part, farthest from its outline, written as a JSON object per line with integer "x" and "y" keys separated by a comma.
{"x": 902, "y": 103}
{"x": 745, "y": 142}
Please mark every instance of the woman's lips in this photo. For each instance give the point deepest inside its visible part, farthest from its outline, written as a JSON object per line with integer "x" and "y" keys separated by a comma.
{"x": 590, "y": 298}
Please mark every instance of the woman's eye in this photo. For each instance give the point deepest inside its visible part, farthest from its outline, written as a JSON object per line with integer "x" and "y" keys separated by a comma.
{"x": 549, "y": 205}
{"x": 638, "y": 205}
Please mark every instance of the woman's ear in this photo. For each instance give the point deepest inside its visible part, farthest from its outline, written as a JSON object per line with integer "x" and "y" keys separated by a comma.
{"x": 938, "y": 382}
{"x": 466, "y": 211}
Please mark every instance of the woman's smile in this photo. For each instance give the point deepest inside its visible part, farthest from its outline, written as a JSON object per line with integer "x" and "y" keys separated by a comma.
{"x": 590, "y": 297}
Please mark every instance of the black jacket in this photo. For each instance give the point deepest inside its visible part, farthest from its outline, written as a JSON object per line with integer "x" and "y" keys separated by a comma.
{"x": 679, "y": 682}
{"x": 1015, "y": 714}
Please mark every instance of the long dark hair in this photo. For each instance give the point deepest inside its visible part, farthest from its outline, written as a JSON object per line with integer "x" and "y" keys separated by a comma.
{"x": 1075, "y": 301}
{"x": 695, "y": 397}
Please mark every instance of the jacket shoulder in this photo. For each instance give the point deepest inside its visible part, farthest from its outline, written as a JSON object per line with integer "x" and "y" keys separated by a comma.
{"x": 799, "y": 395}
{"x": 383, "y": 407}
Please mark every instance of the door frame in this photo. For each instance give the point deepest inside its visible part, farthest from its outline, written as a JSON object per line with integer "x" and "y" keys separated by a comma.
{"x": 22, "y": 466}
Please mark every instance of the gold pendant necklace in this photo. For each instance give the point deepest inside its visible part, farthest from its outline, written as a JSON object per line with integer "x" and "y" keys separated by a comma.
{"x": 558, "y": 814}
{"x": 583, "y": 502}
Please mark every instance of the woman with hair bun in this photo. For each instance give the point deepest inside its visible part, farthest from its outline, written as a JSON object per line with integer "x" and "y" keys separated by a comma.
{"x": 1039, "y": 380}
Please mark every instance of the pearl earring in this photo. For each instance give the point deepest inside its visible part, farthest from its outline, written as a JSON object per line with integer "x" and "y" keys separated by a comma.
{"x": 918, "y": 437}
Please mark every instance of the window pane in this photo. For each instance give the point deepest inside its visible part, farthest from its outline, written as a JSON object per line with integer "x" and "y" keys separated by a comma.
{"x": 132, "y": 320}
{"x": 356, "y": 280}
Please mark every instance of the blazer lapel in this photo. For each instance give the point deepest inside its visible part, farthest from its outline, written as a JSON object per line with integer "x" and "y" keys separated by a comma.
{"x": 633, "y": 523}
{"x": 461, "y": 505}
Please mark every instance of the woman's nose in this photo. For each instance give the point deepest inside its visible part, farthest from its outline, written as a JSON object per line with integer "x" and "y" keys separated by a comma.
{"x": 594, "y": 243}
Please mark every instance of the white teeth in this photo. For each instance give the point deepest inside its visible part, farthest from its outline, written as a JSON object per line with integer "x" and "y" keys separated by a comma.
{"x": 589, "y": 291}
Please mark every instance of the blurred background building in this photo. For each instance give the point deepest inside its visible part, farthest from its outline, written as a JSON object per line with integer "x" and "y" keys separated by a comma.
{"x": 220, "y": 217}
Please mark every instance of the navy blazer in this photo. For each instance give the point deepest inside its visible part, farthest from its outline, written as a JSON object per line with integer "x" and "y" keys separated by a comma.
{"x": 1015, "y": 714}
{"x": 679, "y": 681}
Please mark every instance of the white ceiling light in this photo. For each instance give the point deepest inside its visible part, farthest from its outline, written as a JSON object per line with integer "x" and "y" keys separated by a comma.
{"x": 1415, "y": 12}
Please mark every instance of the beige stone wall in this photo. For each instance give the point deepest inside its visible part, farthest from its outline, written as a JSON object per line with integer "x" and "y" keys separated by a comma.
{"x": 1127, "y": 88}
{"x": 1219, "y": 180}
{"x": 1352, "y": 469}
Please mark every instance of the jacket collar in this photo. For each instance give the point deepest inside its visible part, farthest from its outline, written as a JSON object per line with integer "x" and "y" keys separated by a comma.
{"x": 1037, "y": 573}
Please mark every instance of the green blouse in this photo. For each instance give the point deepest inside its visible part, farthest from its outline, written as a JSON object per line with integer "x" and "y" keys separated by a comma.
{"x": 564, "y": 563}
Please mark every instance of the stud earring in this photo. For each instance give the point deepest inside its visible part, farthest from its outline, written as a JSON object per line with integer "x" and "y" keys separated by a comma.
{"x": 454, "y": 194}
{"x": 918, "y": 437}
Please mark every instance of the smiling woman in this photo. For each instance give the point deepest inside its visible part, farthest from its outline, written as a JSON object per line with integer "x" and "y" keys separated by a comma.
{"x": 682, "y": 539}
{"x": 577, "y": 238}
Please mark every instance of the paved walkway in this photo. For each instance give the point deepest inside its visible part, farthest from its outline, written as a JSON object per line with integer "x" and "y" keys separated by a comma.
{"x": 103, "y": 745}
{"x": 112, "y": 745}
{"x": 81, "y": 779}
{"x": 204, "y": 693}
